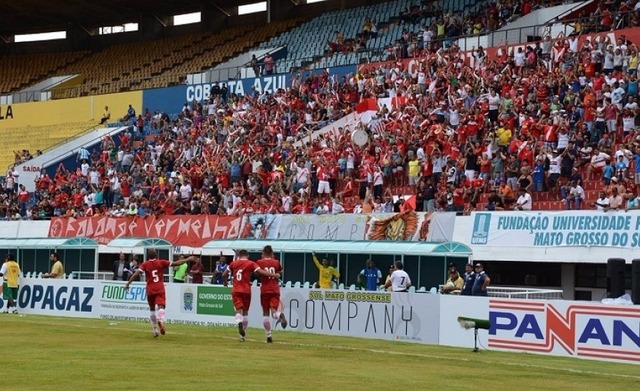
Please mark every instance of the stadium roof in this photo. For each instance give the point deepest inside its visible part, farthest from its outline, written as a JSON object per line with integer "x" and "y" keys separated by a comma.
{"x": 32, "y": 16}
{"x": 48, "y": 243}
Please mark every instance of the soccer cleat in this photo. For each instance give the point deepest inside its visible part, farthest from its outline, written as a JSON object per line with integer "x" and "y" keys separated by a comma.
{"x": 282, "y": 321}
{"x": 14, "y": 311}
{"x": 155, "y": 333}
{"x": 269, "y": 340}
{"x": 162, "y": 329}
{"x": 241, "y": 331}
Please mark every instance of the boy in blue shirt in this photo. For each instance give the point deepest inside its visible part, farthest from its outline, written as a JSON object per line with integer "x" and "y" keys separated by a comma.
{"x": 538, "y": 175}
{"x": 607, "y": 173}
{"x": 621, "y": 168}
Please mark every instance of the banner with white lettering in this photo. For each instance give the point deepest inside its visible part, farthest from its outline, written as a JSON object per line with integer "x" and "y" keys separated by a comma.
{"x": 196, "y": 231}
{"x": 558, "y": 327}
{"x": 192, "y": 231}
{"x": 561, "y": 229}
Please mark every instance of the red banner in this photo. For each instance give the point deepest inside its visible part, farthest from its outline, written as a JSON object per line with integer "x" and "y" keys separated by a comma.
{"x": 192, "y": 231}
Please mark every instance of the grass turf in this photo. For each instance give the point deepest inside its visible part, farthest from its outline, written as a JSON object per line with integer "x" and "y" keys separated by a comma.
{"x": 51, "y": 353}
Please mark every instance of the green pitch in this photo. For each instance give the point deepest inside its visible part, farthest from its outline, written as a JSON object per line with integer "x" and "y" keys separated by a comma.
{"x": 51, "y": 353}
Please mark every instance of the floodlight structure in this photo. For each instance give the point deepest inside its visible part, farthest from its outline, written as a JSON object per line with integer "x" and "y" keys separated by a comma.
{"x": 475, "y": 324}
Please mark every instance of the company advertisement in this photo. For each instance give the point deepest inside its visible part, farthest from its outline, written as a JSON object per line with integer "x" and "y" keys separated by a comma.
{"x": 171, "y": 99}
{"x": 406, "y": 317}
{"x": 562, "y": 229}
{"x": 73, "y": 110}
{"x": 563, "y": 328}
{"x": 196, "y": 231}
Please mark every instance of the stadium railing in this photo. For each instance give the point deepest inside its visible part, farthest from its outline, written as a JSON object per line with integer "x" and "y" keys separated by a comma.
{"x": 518, "y": 293}
{"x": 524, "y": 293}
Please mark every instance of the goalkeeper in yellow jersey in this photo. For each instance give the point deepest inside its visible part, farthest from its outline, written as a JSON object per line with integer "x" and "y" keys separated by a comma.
{"x": 327, "y": 273}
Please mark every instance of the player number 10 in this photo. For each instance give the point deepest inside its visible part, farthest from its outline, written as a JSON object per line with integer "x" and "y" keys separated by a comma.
{"x": 270, "y": 269}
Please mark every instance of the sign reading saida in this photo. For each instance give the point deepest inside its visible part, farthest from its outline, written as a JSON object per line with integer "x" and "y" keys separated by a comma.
{"x": 565, "y": 328}
{"x": 210, "y": 300}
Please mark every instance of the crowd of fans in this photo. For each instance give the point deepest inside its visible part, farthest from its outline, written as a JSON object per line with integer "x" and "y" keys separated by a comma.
{"x": 438, "y": 28}
{"x": 540, "y": 119}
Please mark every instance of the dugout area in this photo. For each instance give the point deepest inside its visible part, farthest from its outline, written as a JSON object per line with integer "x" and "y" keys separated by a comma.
{"x": 426, "y": 262}
{"x": 78, "y": 254}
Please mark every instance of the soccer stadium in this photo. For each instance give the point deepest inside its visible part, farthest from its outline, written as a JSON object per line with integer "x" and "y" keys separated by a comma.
{"x": 414, "y": 192}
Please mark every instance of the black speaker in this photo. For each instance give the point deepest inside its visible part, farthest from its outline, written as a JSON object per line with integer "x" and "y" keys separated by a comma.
{"x": 635, "y": 281}
{"x": 615, "y": 277}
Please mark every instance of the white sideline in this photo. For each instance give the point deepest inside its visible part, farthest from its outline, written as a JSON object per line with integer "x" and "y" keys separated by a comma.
{"x": 355, "y": 349}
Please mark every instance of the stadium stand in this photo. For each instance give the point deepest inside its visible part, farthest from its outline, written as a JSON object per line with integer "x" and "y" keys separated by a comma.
{"x": 19, "y": 71}
{"x": 37, "y": 138}
{"x": 556, "y": 119}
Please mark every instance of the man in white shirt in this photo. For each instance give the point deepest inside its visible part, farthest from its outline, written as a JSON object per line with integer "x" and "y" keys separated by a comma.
{"x": 575, "y": 196}
{"x": 337, "y": 207}
{"x": 618, "y": 94}
{"x": 322, "y": 209}
{"x": 302, "y": 175}
{"x": 598, "y": 161}
{"x": 399, "y": 280}
{"x": 524, "y": 202}
{"x": 602, "y": 203}
{"x": 185, "y": 191}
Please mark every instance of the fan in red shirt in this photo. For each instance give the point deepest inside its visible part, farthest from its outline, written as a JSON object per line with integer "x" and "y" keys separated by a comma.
{"x": 153, "y": 270}
{"x": 270, "y": 292}
{"x": 241, "y": 270}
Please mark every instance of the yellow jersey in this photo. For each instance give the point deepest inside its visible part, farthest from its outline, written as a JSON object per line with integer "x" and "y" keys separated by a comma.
{"x": 58, "y": 269}
{"x": 414, "y": 168}
{"x": 11, "y": 272}
{"x": 326, "y": 274}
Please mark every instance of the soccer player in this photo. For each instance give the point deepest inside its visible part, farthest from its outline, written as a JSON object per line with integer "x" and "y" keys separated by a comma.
{"x": 326, "y": 272}
{"x": 10, "y": 271}
{"x": 270, "y": 292}
{"x": 399, "y": 280}
{"x": 241, "y": 269}
{"x": 153, "y": 270}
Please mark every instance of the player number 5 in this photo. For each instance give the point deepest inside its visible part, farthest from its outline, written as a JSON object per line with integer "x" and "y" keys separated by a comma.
{"x": 154, "y": 274}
